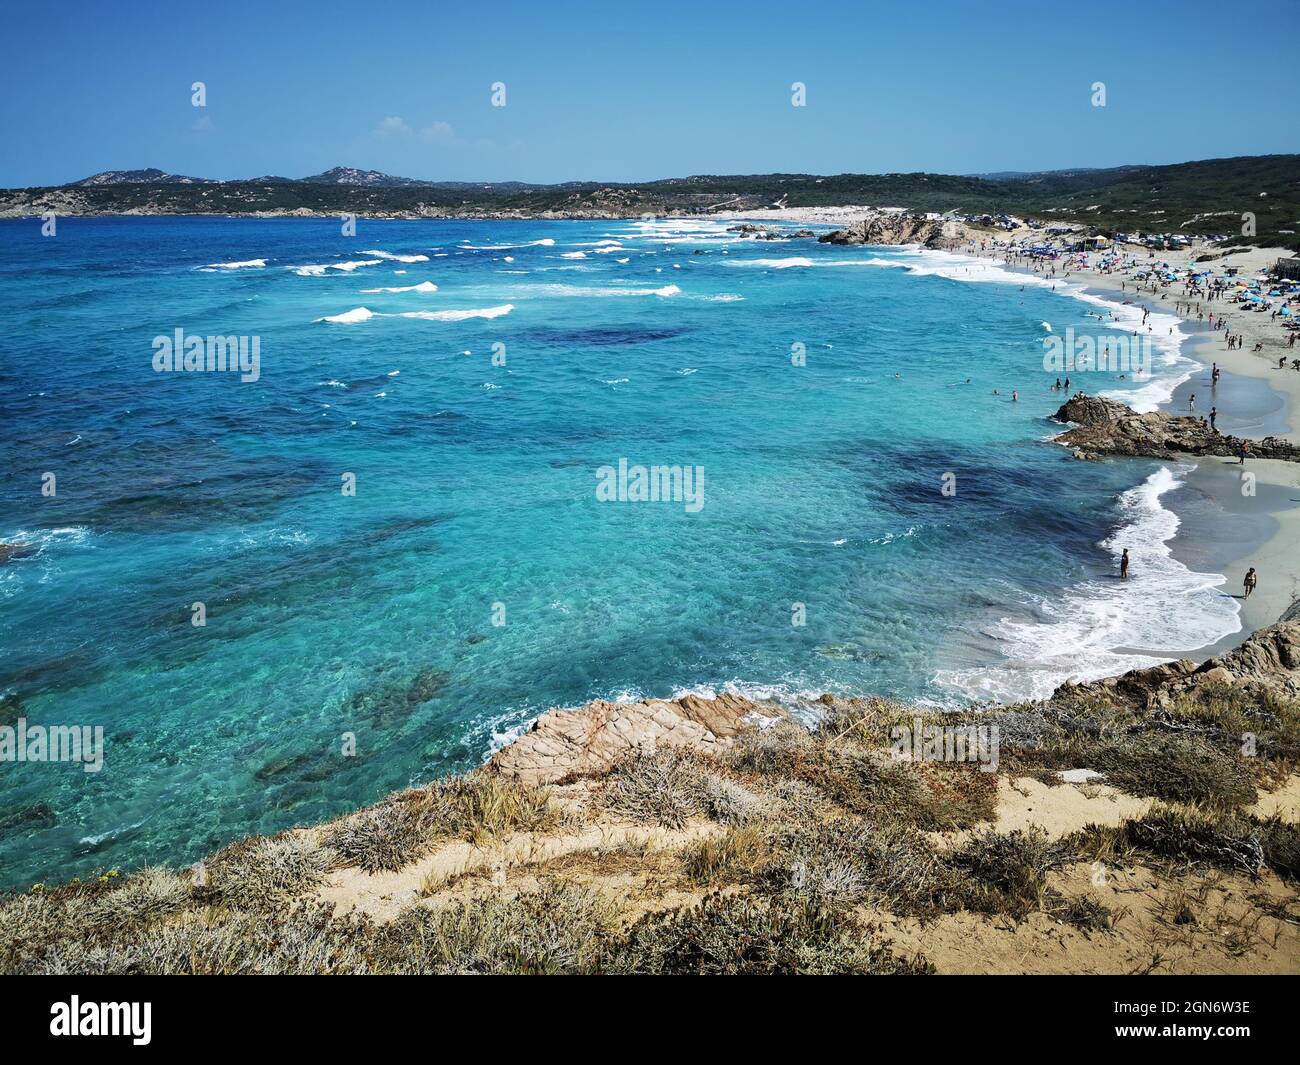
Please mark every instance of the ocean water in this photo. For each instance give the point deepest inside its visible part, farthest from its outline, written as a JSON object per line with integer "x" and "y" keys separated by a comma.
{"x": 474, "y": 377}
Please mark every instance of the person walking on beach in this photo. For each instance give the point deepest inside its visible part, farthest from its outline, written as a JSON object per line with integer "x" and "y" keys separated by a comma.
{"x": 1191, "y": 401}
{"x": 1245, "y": 450}
{"x": 1251, "y": 580}
{"x": 1123, "y": 565}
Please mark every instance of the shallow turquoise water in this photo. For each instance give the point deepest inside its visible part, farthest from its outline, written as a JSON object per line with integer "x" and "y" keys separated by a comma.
{"x": 373, "y": 615}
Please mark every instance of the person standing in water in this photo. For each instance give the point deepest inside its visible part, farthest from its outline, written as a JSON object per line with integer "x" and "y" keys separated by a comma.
{"x": 1123, "y": 565}
{"x": 1251, "y": 579}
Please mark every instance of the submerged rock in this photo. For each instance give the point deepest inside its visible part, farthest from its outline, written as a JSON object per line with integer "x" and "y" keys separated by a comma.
{"x": 9, "y": 552}
{"x": 393, "y": 701}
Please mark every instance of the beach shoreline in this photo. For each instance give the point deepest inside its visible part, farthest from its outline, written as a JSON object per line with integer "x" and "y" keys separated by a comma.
{"x": 1210, "y": 539}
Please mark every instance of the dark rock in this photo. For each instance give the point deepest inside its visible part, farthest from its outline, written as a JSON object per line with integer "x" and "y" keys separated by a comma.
{"x": 25, "y": 819}
{"x": 9, "y": 552}
{"x": 1107, "y": 427}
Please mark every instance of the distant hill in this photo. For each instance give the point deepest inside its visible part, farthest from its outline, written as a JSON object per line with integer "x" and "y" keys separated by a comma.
{"x": 347, "y": 175}
{"x": 1206, "y": 197}
{"x": 151, "y": 176}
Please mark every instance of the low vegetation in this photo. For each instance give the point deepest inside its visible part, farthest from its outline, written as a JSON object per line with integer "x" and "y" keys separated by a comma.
{"x": 779, "y": 855}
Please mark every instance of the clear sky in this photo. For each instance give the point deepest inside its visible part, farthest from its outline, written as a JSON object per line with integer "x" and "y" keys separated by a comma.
{"x": 632, "y": 91}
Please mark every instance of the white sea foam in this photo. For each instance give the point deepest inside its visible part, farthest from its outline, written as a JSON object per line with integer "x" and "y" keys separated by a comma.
{"x": 1104, "y": 627}
{"x": 96, "y": 839}
{"x": 42, "y": 538}
{"x": 459, "y": 316}
{"x": 352, "y": 317}
{"x": 545, "y": 243}
{"x": 597, "y": 293}
{"x": 364, "y": 314}
{"x": 249, "y": 264}
{"x": 423, "y": 286}
{"x": 573, "y": 255}
{"x": 318, "y": 269}
{"x": 393, "y": 257}
{"x": 773, "y": 264}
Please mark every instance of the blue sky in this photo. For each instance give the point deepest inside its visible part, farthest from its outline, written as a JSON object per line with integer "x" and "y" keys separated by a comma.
{"x": 622, "y": 91}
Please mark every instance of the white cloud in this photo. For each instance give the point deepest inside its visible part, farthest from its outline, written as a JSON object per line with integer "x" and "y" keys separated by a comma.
{"x": 392, "y": 126}
{"x": 203, "y": 124}
{"x": 395, "y": 126}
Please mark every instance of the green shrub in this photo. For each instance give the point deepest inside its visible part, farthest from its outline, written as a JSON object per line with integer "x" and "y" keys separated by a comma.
{"x": 557, "y": 929}
{"x": 265, "y": 871}
{"x": 1176, "y": 768}
{"x": 1188, "y": 838}
{"x": 853, "y": 861}
{"x": 665, "y": 788}
{"x": 735, "y": 935}
{"x": 1007, "y": 872}
{"x": 731, "y": 857}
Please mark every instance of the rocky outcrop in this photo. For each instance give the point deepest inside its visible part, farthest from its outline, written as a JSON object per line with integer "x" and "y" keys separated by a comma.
{"x": 748, "y": 229}
{"x": 12, "y": 551}
{"x": 1105, "y": 427}
{"x": 591, "y": 740}
{"x": 894, "y": 227}
{"x": 1267, "y": 663}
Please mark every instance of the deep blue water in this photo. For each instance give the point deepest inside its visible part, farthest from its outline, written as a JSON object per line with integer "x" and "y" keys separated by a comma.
{"x": 476, "y": 485}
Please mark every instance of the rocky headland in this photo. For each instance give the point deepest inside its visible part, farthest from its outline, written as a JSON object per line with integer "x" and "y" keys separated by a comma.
{"x": 1106, "y": 427}
{"x": 897, "y": 227}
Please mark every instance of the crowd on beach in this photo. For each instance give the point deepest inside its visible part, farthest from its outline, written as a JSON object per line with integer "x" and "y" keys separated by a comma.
{"x": 1195, "y": 286}
{"x": 1230, "y": 300}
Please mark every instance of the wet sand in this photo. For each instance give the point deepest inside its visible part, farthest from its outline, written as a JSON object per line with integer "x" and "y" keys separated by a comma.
{"x": 1225, "y": 529}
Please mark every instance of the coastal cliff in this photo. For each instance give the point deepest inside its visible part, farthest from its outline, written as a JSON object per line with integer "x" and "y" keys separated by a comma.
{"x": 1106, "y": 427}
{"x": 1137, "y": 824}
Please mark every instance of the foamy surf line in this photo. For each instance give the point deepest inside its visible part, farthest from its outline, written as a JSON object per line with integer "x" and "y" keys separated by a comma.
{"x": 364, "y": 314}
{"x": 1093, "y": 630}
{"x": 1166, "y": 333}
{"x": 247, "y": 264}
{"x": 423, "y": 286}
{"x": 1105, "y": 627}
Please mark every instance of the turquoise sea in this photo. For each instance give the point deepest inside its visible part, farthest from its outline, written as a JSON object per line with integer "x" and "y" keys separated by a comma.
{"x": 502, "y": 364}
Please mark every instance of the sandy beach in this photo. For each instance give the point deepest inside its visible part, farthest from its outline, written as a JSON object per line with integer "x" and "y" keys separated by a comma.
{"x": 1224, "y": 530}
{"x": 1254, "y": 399}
